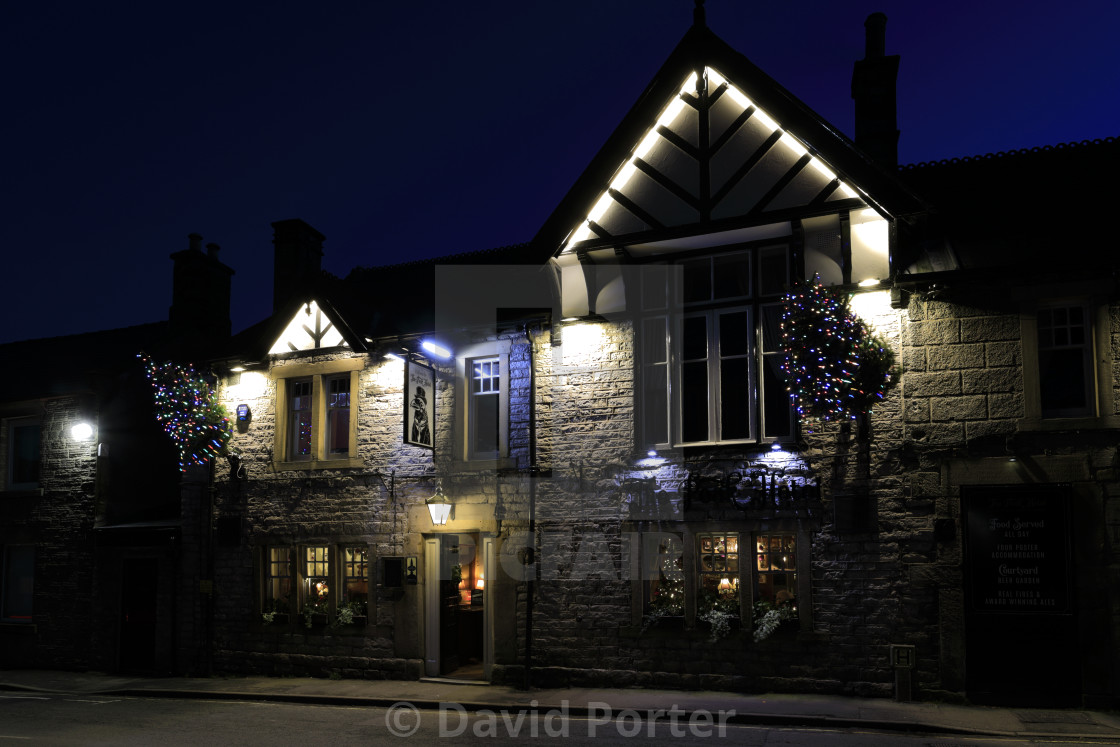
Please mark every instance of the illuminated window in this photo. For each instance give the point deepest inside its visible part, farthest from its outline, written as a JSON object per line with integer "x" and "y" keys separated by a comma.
{"x": 717, "y": 572}
{"x": 711, "y": 359}
{"x": 317, "y": 414}
{"x": 278, "y": 580}
{"x": 23, "y": 454}
{"x": 1065, "y": 370}
{"x": 775, "y": 569}
{"x": 663, "y": 574}
{"x": 355, "y": 576}
{"x": 317, "y": 577}
{"x": 18, "y": 581}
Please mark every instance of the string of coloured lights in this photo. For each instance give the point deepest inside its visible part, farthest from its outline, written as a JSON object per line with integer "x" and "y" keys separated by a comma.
{"x": 188, "y": 410}
{"x": 835, "y": 366}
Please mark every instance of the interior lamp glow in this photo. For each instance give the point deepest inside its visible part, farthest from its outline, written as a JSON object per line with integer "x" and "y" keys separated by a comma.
{"x": 724, "y": 585}
{"x": 480, "y": 583}
{"x": 436, "y": 349}
{"x": 81, "y": 432}
{"x": 439, "y": 506}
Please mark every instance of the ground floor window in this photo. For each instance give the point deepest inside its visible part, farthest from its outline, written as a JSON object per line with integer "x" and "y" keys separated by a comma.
{"x": 355, "y": 583}
{"x": 738, "y": 575}
{"x": 775, "y": 571}
{"x": 717, "y": 573}
{"x": 663, "y": 575}
{"x": 316, "y": 578}
{"x": 277, "y": 580}
{"x": 313, "y": 581}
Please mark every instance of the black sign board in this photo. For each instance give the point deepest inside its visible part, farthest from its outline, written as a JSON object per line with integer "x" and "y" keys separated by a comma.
{"x": 1017, "y": 548}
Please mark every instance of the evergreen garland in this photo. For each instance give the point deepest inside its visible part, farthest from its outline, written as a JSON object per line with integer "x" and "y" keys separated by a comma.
{"x": 188, "y": 410}
{"x": 835, "y": 366}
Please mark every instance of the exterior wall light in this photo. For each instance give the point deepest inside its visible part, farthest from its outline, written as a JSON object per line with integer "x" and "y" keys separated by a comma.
{"x": 81, "y": 432}
{"x": 439, "y": 506}
{"x": 436, "y": 349}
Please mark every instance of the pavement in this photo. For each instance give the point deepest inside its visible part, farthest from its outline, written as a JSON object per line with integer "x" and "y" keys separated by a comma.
{"x": 772, "y": 710}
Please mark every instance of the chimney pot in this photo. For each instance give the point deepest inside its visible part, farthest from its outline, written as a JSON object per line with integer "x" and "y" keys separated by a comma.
{"x": 195, "y": 242}
{"x": 876, "y": 44}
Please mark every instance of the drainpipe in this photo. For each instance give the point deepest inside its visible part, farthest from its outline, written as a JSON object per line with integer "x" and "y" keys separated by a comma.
{"x": 534, "y": 468}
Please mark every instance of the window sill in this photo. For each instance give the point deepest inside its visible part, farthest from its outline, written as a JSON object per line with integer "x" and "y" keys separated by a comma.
{"x": 483, "y": 465}
{"x": 348, "y": 463}
{"x": 1069, "y": 424}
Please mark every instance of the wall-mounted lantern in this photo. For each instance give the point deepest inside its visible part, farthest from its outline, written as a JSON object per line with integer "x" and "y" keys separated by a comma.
{"x": 81, "y": 431}
{"x": 439, "y": 506}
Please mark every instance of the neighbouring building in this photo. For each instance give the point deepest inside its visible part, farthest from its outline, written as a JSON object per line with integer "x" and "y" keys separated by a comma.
{"x": 603, "y": 414}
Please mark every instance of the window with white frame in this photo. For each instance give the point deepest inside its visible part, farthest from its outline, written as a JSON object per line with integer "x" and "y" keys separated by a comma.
{"x": 710, "y": 358}
{"x": 482, "y": 376}
{"x": 17, "y": 584}
{"x": 23, "y": 458}
{"x": 317, "y": 414}
{"x": 1065, "y": 361}
{"x": 484, "y": 412}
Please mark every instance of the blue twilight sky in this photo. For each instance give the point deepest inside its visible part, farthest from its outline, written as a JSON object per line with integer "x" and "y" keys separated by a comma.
{"x": 404, "y": 130}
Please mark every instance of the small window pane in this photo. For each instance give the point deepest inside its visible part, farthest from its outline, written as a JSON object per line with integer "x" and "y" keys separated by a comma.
{"x": 655, "y": 405}
{"x": 355, "y": 570}
{"x": 732, "y": 275}
{"x": 697, "y": 280}
{"x": 734, "y": 334}
{"x": 278, "y": 580}
{"x": 694, "y": 401}
{"x": 773, "y": 271}
{"x": 338, "y": 415}
{"x": 486, "y": 424}
{"x": 654, "y": 349}
{"x": 776, "y": 569}
{"x": 301, "y": 421}
{"x": 694, "y": 346}
{"x": 655, "y": 283}
{"x": 734, "y": 399}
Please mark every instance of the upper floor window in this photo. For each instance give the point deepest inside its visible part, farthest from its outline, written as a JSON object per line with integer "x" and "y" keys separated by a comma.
{"x": 482, "y": 409}
{"x": 23, "y": 454}
{"x": 710, "y": 358}
{"x": 316, "y": 414}
{"x": 1065, "y": 358}
{"x": 1067, "y": 364}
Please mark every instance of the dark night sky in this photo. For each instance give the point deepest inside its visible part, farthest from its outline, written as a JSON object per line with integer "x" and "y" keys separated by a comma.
{"x": 404, "y": 130}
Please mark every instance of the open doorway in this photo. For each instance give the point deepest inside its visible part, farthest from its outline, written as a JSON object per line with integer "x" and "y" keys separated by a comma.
{"x": 456, "y": 607}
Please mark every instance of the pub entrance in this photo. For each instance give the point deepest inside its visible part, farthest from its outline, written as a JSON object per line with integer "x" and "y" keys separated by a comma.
{"x": 457, "y": 607}
{"x": 1021, "y": 644}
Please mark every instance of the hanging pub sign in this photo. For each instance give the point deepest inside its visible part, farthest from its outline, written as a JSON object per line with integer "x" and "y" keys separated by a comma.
{"x": 419, "y": 405}
{"x": 1017, "y": 548}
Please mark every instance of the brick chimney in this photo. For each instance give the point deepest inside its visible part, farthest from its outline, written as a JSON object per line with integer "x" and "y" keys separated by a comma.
{"x": 297, "y": 259}
{"x": 873, "y": 88}
{"x": 200, "y": 293}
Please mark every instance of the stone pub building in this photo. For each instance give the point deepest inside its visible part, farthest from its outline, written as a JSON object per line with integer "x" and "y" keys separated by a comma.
{"x": 574, "y": 461}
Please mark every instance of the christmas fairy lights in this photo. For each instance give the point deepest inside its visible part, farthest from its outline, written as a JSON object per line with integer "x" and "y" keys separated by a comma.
{"x": 835, "y": 366}
{"x": 188, "y": 411}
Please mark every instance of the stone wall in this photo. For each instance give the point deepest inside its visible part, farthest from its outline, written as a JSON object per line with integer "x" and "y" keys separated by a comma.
{"x": 58, "y": 519}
